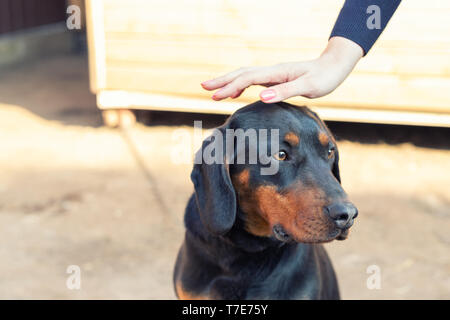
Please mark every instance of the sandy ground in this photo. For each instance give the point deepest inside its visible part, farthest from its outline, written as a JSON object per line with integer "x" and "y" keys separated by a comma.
{"x": 73, "y": 192}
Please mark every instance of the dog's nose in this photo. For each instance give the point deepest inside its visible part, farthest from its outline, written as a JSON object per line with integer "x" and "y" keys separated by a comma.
{"x": 343, "y": 214}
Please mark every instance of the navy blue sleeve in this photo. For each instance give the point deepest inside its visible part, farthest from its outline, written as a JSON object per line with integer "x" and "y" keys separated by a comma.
{"x": 362, "y": 21}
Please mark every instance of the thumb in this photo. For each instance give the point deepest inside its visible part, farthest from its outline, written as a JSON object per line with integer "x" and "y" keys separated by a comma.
{"x": 281, "y": 92}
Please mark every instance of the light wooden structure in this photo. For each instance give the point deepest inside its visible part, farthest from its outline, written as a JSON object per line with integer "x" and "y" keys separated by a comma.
{"x": 149, "y": 54}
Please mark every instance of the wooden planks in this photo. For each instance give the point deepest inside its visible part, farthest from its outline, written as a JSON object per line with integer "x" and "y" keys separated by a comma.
{"x": 381, "y": 91}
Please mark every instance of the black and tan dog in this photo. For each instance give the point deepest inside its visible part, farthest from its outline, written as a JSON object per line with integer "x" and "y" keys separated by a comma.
{"x": 254, "y": 236}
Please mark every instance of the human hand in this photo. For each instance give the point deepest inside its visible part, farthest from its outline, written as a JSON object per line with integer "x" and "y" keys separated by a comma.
{"x": 310, "y": 79}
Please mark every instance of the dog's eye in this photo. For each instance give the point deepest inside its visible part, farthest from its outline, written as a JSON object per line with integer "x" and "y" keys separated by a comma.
{"x": 280, "y": 155}
{"x": 331, "y": 151}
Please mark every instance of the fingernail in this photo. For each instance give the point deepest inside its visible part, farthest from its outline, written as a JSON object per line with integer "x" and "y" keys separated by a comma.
{"x": 205, "y": 82}
{"x": 267, "y": 94}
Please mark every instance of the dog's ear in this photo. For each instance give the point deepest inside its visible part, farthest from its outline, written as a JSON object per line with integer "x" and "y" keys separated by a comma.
{"x": 214, "y": 192}
{"x": 335, "y": 169}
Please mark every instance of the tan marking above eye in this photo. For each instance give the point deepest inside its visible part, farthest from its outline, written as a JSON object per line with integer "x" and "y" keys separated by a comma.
{"x": 323, "y": 138}
{"x": 292, "y": 138}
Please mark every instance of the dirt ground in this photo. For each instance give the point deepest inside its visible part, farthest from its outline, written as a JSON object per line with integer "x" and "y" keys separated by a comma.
{"x": 73, "y": 192}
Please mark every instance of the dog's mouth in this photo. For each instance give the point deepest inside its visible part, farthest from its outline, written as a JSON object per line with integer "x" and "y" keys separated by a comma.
{"x": 282, "y": 235}
{"x": 343, "y": 234}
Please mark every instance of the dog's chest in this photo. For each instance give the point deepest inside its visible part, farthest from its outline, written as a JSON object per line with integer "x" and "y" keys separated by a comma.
{"x": 293, "y": 278}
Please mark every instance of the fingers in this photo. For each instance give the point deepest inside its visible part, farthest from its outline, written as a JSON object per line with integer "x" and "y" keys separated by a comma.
{"x": 257, "y": 76}
{"x": 232, "y": 89}
{"x": 223, "y": 80}
{"x": 237, "y": 95}
{"x": 284, "y": 81}
{"x": 284, "y": 91}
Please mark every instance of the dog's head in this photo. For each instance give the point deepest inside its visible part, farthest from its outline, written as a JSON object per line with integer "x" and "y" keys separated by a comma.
{"x": 302, "y": 200}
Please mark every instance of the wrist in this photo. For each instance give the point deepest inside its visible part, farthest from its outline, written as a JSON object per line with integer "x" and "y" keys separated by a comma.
{"x": 343, "y": 52}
